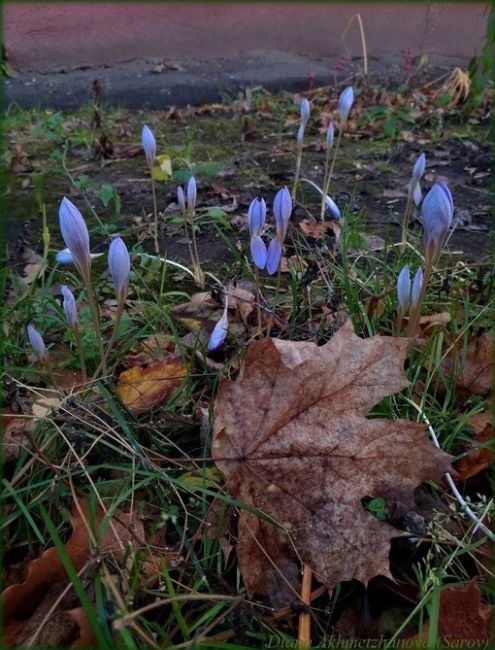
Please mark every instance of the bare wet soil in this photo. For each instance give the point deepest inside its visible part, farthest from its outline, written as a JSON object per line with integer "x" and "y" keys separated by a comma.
{"x": 237, "y": 151}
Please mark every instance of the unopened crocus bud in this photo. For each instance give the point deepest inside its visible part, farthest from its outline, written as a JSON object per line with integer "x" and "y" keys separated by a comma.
{"x": 119, "y": 265}
{"x": 417, "y": 195}
{"x": 64, "y": 257}
{"x": 37, "y": 343}
{"x": 219, "y": 331}
{"x": 282, "y": 209}
{"x": 300, "y": 134}
{"x": 256, "y": 216}
{"x": 274, "y": 255}
{"x": 330, "y": 134}
{"x": 69, "y": 305}
{"x": 418, "y": 169}
{"x": 191, "y": 194}
{"x": 403, "y": 288}
{"x": 416, "y": 287}
{"x": 149, "y": 145}
{"x": 346, "y": 101}
{"x": 181, "y": 200}
{"x": 437, "y": 211}
{"x": 332, "y": 208}
{"x": 76, "y": 236}
{"x": 305, "y": 109}
{"x": 258, "y": 251}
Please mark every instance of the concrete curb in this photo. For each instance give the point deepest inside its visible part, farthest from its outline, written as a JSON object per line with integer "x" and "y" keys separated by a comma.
{"x": 135, "y": 85}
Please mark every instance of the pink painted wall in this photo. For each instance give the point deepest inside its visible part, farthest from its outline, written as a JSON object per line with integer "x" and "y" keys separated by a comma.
{"x": 48, "y": 36}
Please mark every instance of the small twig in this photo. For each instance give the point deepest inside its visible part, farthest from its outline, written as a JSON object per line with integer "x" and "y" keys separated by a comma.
{"x": 304, "y": 635}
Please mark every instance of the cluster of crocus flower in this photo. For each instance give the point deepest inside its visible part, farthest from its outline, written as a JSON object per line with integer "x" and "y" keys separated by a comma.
{"x": 262, "y": 256}
{"x": 187, "y": 210}
{"x": 437, "y": 212}
{"x": 76, "y": 237}
{"x": 408, "y": 296}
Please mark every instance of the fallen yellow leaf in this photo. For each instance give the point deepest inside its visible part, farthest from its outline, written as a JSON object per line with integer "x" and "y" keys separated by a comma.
{"x": 143, "y": 387}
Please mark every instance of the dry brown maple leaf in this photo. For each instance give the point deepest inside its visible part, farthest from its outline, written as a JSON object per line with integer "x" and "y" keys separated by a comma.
{"x": 292, "y": 439}
{"x": 21, "y": 600}
{"x": 463, "y": 616}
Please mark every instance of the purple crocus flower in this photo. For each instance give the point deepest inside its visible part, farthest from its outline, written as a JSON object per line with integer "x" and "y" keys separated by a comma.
{"x": 437, "y": 211}
{"x": 149, "y": 145}
{"x": 256, "y": 216}
{"x": 219, "y": 331}
{"x": 417, "y": 195}
{"x": 417, "y": 174}
{"x": 37, "y": 343}
{"x": 305, "y": 110}
{"x": 332, "y": 208}
{"x": 119, "y": 265}
{"x": 64, "y": 257}
{"x": 282, "y": 209}
{"x": 69, "y": 305}
{"x": 192, "y": 191}
{"x": 330, "y": 134}
{"x": 419, "y": 168}
{"x": 346, "y": 101}
{"x": 403, "y": 288}
{"x": 181, "y": 200}
{"x": 273, "y": 256}
{"x": 258, "y": 251}
{"x": 76, "y": 236}
{"x": 300, "y": 134}
{"x": 416, "y": 287}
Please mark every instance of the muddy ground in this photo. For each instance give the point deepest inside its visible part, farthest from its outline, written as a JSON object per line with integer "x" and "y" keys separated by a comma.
{"x": 243, "y": 149}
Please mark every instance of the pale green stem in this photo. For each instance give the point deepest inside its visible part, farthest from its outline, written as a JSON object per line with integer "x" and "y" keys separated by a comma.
{"x": 197, "y": 267}
{"x": 80, "y": 351}
{"x": 405, "y": 221}
{"x": 325, "y": 176}
{"x": 326, "y": 185}
{"x": 155, "y": 212}
{"x": 258, "y": 300}
{"x": 191, "y": 254}
{"x": 96, "y": 319}
{"x": 118, "y": 317}
{"x": 272, "y": 315}
{"x": 398, "y": 321}
{"x": 298, "y": 168}
{"x": 49, "y": 370}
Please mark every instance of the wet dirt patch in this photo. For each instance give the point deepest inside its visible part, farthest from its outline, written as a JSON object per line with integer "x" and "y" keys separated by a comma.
{"x": 237, "y": 153}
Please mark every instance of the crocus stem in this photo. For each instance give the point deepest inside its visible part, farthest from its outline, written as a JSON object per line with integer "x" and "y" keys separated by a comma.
{"x": 416, "y": 310}
{"x": 298, "y": 169}
{"x": 197, "y": 267}
{"x": 155, "y": 212}
{"x": 118, "y": 317}
{"x": 49, "y": 371}
{"x": 304, "y": 635}
{"x": 398, "y": 321}
{"x": 191, "y": 254}
{"x": 326, "y": 183}
{"x": 258, "y": 300}
{"x": 272, "y": 315}
{"x": 80, "y": 351}
{"x": 325, "y": 176}
{"x": 96, "y": 321}
{"x": 405, "y": 222}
